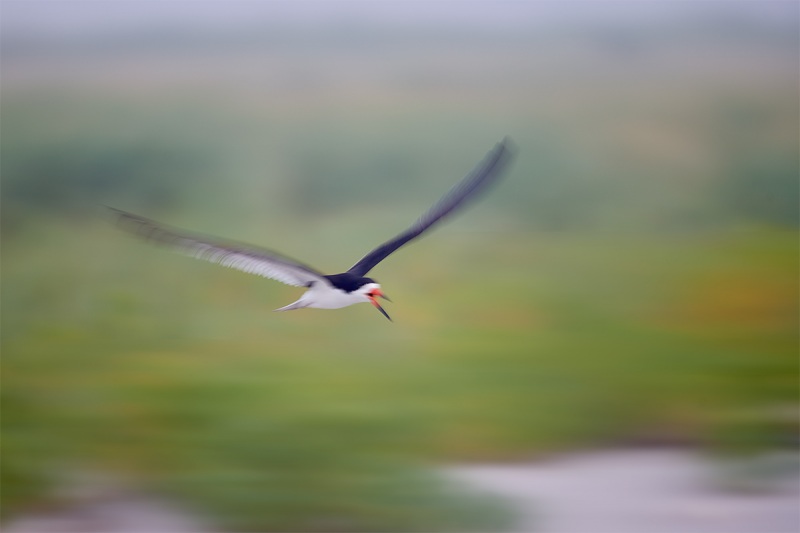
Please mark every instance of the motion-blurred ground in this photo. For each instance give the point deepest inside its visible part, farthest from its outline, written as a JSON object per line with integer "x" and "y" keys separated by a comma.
{"x": 654, "y": 491}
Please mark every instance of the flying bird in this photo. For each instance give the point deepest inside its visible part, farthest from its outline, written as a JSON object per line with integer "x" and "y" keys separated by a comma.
{"x": 323, "y": 291}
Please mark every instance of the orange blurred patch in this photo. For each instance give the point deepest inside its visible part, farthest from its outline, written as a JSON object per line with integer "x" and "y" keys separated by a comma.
{"x": 754, "y": 302}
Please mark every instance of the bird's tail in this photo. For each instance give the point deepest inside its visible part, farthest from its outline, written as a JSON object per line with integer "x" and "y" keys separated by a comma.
{"x": 299, "y": 304}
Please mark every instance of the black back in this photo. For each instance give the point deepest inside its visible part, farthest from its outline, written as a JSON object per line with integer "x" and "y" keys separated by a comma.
{"x": 348, "y": 282}
{"x": 468, "y": 188}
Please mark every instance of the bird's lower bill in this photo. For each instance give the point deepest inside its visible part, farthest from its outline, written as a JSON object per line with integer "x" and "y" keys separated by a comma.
{"x": 377, "y": 292}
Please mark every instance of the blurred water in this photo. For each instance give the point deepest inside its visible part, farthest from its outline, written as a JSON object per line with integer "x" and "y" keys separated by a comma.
{"x": 638, "y": 492}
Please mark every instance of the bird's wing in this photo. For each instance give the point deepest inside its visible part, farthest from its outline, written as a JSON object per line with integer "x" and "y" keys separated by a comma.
{"x": 477, "y": 181}
{"x": 239, "y": 256}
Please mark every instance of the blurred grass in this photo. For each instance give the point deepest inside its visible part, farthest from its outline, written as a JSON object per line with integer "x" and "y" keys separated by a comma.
{"x": 631, "y": 282}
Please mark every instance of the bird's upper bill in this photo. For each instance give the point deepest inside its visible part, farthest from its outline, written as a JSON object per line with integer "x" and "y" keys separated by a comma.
{"x": 377, "y": 293}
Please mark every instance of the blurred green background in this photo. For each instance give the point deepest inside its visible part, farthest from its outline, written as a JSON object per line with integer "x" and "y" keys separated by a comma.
{"x": 632, "y": 281}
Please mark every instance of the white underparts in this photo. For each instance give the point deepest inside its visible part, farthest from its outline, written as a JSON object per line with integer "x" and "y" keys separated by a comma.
{"x": 324, "y": 296}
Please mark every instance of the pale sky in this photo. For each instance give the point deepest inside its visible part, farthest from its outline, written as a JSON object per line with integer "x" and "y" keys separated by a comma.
{"x": 69, "y": 18}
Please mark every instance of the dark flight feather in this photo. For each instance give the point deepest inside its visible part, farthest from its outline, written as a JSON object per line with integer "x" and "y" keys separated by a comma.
{"x": 476, "y": 182}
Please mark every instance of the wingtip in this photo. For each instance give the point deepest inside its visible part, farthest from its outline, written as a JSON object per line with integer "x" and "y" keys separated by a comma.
{"x": 508, "y": 144}
{"x": 112, "y": 214}
{"x": 118, "y": 217}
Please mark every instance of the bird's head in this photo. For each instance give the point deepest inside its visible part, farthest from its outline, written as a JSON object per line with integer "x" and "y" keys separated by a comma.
{"x": 371, "y": 291}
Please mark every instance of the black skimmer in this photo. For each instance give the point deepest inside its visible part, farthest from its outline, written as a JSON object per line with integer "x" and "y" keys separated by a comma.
{"x": 324, "y": 292}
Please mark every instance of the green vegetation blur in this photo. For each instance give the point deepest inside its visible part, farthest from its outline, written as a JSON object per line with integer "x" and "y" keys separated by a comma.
{"x": 632, "y": 281}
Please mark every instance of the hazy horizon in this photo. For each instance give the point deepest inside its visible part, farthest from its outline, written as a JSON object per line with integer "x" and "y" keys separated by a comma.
{"x": 88, "y": 18}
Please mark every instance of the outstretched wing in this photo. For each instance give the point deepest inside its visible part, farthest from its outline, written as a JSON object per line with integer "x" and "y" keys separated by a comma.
{"x": 468, "y": 188}
{"x": 239, "y": 256}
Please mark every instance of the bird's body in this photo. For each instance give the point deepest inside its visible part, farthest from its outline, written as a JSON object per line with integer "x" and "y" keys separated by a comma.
{"x": 323, "y": 292}
{"x": 331, "y": 296}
